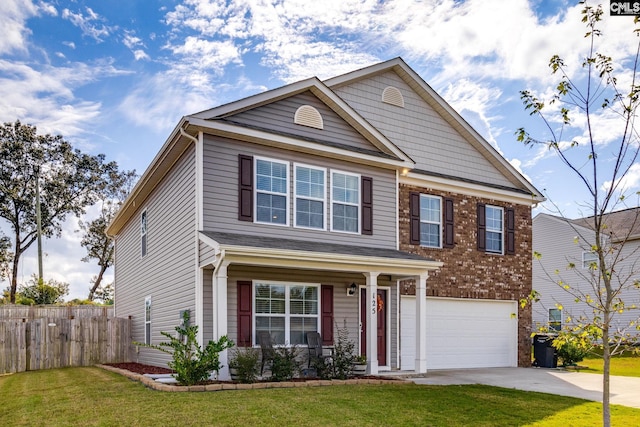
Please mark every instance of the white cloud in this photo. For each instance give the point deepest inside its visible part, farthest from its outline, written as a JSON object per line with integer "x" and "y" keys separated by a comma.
{"x": 13, "y": 17}
{"x": 89, "y": 23}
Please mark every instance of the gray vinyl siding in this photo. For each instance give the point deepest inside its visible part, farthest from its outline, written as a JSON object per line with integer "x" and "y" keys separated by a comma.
{"x": 278, "y": 117}
{"x": 554, "y": 240}
{"x": 206, "y": 253}
{"x": 419, "y": 130}
{"x": 207, "y": 304}
{"x": 346, "y": 308}
{"x": 221, "y": 195}
{"x": 167, "y": 272}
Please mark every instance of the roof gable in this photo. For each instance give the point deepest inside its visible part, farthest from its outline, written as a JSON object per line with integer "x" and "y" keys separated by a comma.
{"x": 238, "y": 114}
{"x": 428, "y": 129}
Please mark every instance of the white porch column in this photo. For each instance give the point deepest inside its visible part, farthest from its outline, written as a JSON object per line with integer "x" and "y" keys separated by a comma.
{"x": 372, "y": 321}
{"x": 220, "y": 279}
{"x": 421, "y": 324}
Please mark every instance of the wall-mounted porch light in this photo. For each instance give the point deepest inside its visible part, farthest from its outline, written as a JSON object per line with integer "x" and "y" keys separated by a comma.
{"x": 351, "y": 290}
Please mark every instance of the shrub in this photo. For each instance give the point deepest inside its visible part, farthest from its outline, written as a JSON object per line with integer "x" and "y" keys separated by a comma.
{"x": 284, "y": 365}
{"x": 343, "y": 354}
{"x": 191, "y": 363}
{"x": 245, "y": 362}
{"x": 570, "y": 353}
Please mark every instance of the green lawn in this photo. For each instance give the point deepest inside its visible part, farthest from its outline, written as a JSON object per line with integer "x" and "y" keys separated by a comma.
{"x": 627, "y": 366}
{"x": 95, "y": 397}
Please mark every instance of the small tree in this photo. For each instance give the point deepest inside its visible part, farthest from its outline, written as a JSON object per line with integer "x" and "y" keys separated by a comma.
{"x": 192, "y": 363}
{"x": 602, "y": 164}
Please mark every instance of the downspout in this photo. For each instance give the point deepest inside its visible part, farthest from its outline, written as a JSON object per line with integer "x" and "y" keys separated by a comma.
{"x": 199, "y": 292}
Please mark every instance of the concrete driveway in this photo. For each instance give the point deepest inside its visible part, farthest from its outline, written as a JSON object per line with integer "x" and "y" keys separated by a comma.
{"x": 624, "y": 390}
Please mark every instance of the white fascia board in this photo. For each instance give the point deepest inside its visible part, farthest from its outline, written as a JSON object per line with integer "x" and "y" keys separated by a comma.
{"x": 267, "y": 257}
{"x": 228, "y": 130}
{"x": 469, "y": 189}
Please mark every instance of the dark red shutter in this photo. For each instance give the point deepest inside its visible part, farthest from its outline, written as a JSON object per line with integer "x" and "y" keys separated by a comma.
{"x": 367, "y": 205}
{"x": 244, "y": 315}
{"x": 414, "y": 218}
{"x": 245, "y": 188}
{"x": 511, "y": 230}
{"x": 482, "y": 227}
{"x": 326, "y": 318}
{"x": 448, "y": 223}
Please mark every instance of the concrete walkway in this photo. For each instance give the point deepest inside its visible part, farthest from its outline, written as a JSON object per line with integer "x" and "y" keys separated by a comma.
{"x": 624, "y": 390}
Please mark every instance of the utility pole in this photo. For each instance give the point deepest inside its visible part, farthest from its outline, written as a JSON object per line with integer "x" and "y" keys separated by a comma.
{"x": 39, "y": 225}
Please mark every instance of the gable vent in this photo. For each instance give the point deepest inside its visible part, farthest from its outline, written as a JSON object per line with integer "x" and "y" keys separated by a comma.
{"x": 392, "y": 95}
{"x": 307, "y": 115}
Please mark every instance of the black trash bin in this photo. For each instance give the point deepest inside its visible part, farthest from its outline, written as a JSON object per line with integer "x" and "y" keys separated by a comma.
{"x": 544, "y": 355}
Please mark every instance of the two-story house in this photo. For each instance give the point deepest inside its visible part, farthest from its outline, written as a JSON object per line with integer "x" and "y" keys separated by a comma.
{"x": 566, "y": 259}
{"x": 333, "y": 203}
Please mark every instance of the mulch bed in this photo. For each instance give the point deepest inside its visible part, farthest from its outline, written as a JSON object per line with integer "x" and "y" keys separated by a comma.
{"x": 142, "y": 369}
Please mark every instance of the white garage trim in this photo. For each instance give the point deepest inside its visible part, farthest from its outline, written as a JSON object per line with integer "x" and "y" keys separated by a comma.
{"x": 462, "y": 333}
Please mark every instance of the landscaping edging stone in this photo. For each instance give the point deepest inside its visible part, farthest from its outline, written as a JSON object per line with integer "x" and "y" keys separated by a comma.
{"x": 155, "y": 385}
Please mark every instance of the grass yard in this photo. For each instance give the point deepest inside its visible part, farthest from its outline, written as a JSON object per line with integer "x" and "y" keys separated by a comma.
{"x": 626, "y": 366}
{"x": 95, "y": 397}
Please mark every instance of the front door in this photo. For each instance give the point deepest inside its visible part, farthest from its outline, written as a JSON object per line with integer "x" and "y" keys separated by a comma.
{"x": 382, "y": 300}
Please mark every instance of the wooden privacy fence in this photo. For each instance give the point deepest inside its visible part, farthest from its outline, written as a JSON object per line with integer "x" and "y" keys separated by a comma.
{"x": 28, "y": 344}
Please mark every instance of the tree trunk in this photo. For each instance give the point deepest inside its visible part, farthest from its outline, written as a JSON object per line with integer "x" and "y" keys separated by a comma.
{"x": 14, "y": 271}
{"x": 96, "y": 284}
{"x": 606, "y": 357}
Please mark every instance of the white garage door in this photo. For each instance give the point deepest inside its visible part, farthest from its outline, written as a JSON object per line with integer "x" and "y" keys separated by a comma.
{"x": 462, "y": 333}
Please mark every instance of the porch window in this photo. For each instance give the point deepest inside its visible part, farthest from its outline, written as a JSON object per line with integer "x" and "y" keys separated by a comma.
{"x": 310, "y": 197}
{"x": 287, "y": 311}
{"x": 272, "y": 195}
{"x": 345, "y": 202}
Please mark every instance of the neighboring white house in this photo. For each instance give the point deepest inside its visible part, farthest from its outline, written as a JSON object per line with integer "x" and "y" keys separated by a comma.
{"x": 565, "y": 252}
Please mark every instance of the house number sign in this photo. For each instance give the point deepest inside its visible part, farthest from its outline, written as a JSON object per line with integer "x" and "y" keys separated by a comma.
{"x": 374, "y": 304}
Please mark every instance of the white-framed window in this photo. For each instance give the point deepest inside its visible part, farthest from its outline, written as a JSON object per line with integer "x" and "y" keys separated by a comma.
{"x": 589, "y": 257}
{"x": 286, "y": 310}
{"x": 494, "y": 229}
{"x": 430, "y": 221}
{"x": 555, "y": 319}
{"x": 272, "y": 191}
{"x": 345, "y": 202}
{"x": 143, "y": 234}
{"x": 147, "y": 320}
{"x": 310, "y": 196}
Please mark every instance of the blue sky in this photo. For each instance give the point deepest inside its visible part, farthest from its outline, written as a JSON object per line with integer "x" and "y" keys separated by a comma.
{"x": 115, "y": 77}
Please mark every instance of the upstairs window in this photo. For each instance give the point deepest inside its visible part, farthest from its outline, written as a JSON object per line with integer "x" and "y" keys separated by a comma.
{"x": 272, "y": 196}
{"x": 430, "y": 221}
{"x": 345, "y": 202}
{"x": 143, "y": 234}
{"x": 494, "y": 230}
{"x": 310, "y": 197}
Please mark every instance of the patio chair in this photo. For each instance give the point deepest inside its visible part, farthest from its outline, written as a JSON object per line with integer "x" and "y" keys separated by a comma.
{"x": 314, "y": 345}
{"x": 266, "y": 347}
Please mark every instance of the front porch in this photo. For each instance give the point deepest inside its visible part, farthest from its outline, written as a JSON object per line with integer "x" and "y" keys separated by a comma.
{"x": 289, "y": 287}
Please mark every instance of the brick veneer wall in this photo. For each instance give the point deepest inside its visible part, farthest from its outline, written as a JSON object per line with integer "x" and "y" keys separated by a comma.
{"x": 469, "y": 273}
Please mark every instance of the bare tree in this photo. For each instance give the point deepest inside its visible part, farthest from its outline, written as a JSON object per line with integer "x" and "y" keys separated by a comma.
{"x": 602, "y": 164}
{"x": 100, "y": 247}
